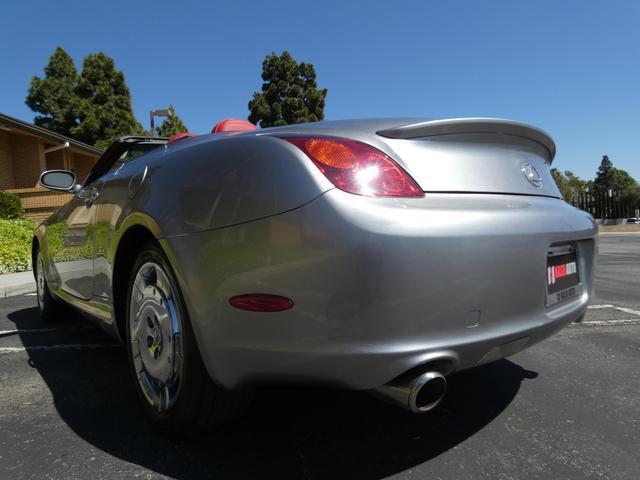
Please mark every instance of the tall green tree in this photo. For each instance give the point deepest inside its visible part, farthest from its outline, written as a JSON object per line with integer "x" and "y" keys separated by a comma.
{"x": 104, "y": 103}
{"x": 172, "y": 124}
{"x": 603, "y": 176}
{"x": 612, "y": 178}
{"x": 53, "y": 96}
{"x": 289, "y": 93}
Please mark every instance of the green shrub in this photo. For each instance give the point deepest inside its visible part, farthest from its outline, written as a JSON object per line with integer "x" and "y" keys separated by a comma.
{"x": 15, "y": 245}
{"x": 10, "y": 206}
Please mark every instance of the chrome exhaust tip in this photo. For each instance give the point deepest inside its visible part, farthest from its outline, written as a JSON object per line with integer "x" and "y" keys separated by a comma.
{"x": 416, "y": 394}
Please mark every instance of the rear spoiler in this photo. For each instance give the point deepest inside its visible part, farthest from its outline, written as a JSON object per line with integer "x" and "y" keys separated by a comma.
{"x": 434, "y": 128}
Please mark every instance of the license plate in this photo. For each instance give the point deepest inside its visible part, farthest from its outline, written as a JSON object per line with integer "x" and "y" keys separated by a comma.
{"x": 563, "y": 276}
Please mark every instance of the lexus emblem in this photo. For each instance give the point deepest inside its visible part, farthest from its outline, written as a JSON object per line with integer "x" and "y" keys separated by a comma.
{"x": 532, "y": 175}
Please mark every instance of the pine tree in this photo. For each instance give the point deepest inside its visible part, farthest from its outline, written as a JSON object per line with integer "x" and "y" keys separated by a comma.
{"x": 54, "y": 95}
{"x": 605, "y": 171}
{"x": 173, "y": 124}
{"x": 289, "y": 93}
{"x": 612, "y": 178}
{"x": 104, "y": 103}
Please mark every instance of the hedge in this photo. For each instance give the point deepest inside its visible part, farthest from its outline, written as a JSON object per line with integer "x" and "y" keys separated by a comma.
{"x": 15, "y": 245}
{"x": 10, "y": 206}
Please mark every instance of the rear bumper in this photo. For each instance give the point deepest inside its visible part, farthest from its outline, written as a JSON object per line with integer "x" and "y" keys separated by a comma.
{"x": 380, "y": 285}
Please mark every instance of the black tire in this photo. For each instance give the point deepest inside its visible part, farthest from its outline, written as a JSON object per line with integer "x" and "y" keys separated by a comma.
{"x": 195, "y": 404}
{"x": 50, "y": 308}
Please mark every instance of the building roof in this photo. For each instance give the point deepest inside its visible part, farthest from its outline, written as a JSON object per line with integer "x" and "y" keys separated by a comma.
{"x": 12, "y": 123}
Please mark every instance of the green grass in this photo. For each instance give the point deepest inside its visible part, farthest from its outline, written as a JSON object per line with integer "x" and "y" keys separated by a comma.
{"x": 15, "y": 245}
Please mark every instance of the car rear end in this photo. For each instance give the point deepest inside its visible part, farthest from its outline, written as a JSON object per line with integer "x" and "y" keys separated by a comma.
{"x": 463, "y": 254}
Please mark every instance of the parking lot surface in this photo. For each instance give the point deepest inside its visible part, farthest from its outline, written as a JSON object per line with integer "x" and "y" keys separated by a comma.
{"x": 568, "y": 407}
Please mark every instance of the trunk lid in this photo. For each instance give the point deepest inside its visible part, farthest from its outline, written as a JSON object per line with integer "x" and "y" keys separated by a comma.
{"x": 475, "y": 155}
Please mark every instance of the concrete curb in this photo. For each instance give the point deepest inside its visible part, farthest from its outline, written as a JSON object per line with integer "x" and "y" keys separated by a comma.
{"x": 17, "y": 284}
{"x": 18, "y": 289}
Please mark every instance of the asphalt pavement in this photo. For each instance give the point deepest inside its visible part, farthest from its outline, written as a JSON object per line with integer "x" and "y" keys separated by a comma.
{"x": 568, "y": 407}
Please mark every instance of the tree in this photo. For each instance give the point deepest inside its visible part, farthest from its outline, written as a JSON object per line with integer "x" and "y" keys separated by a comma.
{"x": 54, "y": 95}
{"x": 621, "y": 180}
{"x": 289, "y": 93}
{"x": 603, "y": 175}
{"x": 172, "y": 125}
{"x": 631, "y": 196}
{"x": 104, "y": 103}
{"x": 561, "y": 182}
{"x": 611, "y": 178}
{"x": 569, "y": 184}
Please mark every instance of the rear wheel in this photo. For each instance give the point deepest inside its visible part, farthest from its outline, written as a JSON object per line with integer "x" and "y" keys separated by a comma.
{"x": 49, "y": 307}
{"x": 168, "y": 372}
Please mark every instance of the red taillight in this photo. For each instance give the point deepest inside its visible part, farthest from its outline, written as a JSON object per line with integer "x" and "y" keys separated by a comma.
{"x": 356, "y": 167}
{"x": 261, "y": 302}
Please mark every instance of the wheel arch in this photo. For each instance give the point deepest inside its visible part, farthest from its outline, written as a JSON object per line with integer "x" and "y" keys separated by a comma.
{"x": 137, "y": 230}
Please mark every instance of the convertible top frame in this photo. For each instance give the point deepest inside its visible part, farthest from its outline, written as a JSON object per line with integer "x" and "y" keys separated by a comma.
{"x": 117, "y": 149}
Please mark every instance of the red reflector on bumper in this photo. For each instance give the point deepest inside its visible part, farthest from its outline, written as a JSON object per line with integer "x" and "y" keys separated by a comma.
{"x": 259, "y": 302}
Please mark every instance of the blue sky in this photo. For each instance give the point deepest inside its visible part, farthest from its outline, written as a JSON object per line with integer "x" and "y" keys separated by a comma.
{"x": 570, "y": 67}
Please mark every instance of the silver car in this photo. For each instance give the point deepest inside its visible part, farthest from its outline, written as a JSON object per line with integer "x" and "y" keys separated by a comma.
{"x": 378, "y": 255}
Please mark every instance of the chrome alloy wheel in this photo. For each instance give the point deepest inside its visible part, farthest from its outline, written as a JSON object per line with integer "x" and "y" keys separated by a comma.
{"x": 155, "y": 328}
{"x": 40, "y": 281}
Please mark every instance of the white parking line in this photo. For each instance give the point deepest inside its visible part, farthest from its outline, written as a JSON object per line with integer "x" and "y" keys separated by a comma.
{"x": 605, "y": 323}
{"x": 11, "y": 349}
{"x": 615, "y": 307}
{"x": 78, "y": 346}
{"x": 46, "y": 330}
{"x": 628, "y": 310}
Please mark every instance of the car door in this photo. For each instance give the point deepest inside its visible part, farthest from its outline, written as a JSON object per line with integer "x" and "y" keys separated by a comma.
{"x": 110, "y": 206}
{"x": 118, "y": 187}
{"x": 70, "y": 242}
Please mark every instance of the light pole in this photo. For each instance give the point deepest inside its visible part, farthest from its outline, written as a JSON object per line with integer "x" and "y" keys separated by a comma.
{"x": 157, "y": 113}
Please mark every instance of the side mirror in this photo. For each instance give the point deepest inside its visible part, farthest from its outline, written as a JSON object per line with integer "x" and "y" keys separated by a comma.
{"x": 58, "y": 180}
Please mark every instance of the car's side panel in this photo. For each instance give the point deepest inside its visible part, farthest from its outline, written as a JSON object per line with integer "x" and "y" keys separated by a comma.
{"x": 68, "y": 241}
{"x": 208, "y": 182}
{"x": 205, "y": 184}
{"x": 96, "y": 309}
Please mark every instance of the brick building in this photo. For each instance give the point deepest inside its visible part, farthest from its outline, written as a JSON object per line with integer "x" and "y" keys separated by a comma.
{"x": 27, "y": 150}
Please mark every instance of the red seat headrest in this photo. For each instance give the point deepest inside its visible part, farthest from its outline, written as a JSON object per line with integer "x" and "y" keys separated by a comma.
{"x": 233, "y": 125}
{"x": 178, "y": 136}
